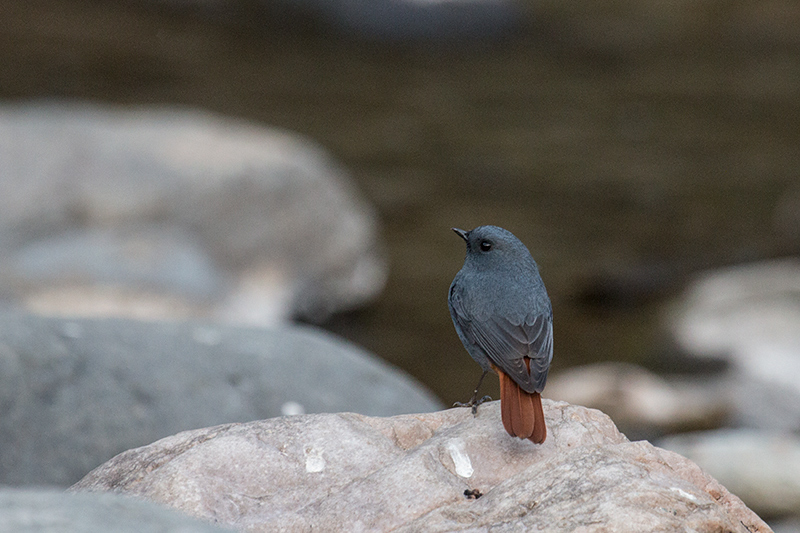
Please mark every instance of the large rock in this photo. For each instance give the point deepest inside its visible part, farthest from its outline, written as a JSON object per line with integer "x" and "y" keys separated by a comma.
{"x": 761, "y": 468}
{"x": 52, "y": 511}
{"x": 749, "y": 316}
{"x": 158, "y": 212}
{"x": 443, "y": 471}
{"x": 74, "y": 393}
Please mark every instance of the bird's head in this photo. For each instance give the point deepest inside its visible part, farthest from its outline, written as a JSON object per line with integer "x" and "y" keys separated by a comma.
{"x": 489, "y": 246}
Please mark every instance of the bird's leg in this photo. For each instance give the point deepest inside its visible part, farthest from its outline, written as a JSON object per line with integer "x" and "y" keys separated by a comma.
{"x": 474, "y": 402}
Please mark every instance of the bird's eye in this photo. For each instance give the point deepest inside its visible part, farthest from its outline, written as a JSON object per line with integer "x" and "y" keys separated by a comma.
{"x": 485, "y": 246}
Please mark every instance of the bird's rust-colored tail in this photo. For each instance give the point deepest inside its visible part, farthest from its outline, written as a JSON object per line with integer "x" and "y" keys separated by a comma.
{"x": 522, "y": 412}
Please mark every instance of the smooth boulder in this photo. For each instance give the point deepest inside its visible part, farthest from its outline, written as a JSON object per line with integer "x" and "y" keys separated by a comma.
{"x": 74, "y": 393}
{"x": 441, "y": 471}
{"x": 158, "y": 212}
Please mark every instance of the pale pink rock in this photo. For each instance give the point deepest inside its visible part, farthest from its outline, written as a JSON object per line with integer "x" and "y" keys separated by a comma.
{"x": 347, "y": 472}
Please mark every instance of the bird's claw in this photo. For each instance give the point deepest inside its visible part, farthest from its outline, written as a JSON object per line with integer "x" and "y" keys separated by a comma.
{"x": 473, "y": 403}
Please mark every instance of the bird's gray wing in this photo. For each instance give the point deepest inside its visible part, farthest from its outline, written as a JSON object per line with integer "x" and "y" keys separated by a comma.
{"x": 507, "y": 342}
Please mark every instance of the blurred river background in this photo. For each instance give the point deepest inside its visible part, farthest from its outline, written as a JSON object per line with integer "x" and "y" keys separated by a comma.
{"x": 628, "y": 144}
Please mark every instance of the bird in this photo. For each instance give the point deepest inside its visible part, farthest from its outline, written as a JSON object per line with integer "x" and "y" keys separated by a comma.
{"x": 504, "y": 318}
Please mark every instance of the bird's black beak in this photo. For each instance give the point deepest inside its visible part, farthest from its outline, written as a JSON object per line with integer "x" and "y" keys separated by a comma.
{"x": 461, "y": 233}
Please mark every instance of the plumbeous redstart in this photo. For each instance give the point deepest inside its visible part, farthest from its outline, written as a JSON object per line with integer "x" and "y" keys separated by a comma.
{"x": 503, "y": 316}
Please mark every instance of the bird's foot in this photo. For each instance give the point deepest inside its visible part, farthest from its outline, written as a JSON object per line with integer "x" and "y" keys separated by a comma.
{"x": 474, "y": 402}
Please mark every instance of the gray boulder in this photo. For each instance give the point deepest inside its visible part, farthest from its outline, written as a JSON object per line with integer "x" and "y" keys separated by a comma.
{"x": 74, "y": 393}
{"x": 442, "y": 471}
{"x": 749, "y": 316}
{"x": 158, "y": 212}
{"x": 53, "y": 511}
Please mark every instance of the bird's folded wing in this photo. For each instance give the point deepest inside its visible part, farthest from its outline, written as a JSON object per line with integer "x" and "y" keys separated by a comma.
{"x": 507, "y": 343}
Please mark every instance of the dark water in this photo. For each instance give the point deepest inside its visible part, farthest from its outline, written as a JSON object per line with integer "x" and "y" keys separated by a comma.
{"x": 626, "y": 158}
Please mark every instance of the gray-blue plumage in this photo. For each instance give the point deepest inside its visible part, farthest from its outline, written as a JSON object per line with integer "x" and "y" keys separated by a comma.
{"x": 500, "y": 307}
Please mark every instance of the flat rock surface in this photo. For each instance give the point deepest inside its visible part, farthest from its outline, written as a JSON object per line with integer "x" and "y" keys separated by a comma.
{"x": 350, "y": 472}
